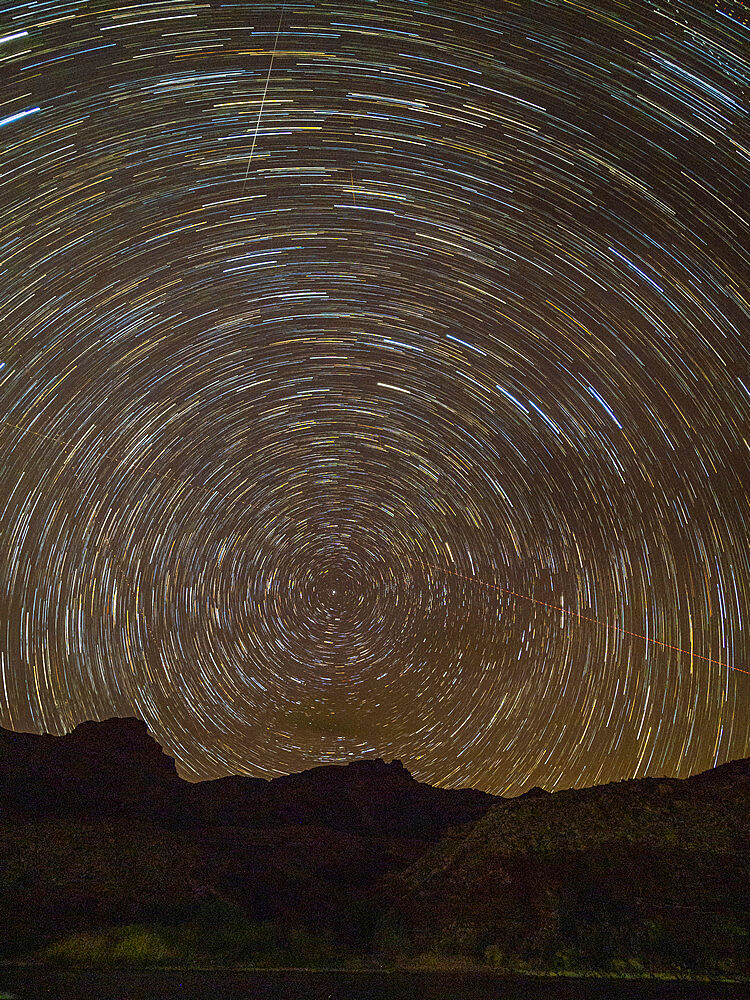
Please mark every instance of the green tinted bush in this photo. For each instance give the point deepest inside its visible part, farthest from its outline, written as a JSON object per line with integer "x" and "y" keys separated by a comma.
{"x": 131, "y": 945}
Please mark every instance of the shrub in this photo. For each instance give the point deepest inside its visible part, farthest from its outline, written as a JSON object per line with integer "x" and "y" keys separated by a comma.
{"x": 131, "y": 945}
{"x": 495, "y": 957}
{"x": 391, "y": 938}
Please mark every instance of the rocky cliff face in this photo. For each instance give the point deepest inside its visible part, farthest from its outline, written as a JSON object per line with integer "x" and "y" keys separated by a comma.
{"x": 105, "y": 768}
{"x": 644, "y": 874}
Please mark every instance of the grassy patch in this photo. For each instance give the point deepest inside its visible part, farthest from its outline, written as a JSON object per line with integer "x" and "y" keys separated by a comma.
{"x": 196, "y": 943}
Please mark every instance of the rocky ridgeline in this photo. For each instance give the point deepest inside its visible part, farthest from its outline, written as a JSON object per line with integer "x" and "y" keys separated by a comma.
{"x": 115, "y": 769}
{"x": 98, "y": 830}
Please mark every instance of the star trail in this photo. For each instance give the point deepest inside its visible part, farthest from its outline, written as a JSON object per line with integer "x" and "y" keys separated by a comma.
{"x": 374, "y": 382}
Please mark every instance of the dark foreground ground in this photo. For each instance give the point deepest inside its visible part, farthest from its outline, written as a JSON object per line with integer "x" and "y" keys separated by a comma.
{"x": 39, "y": 984}
{"x": 109, "y": 859}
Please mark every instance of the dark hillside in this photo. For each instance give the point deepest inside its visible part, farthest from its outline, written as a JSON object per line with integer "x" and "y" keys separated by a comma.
{"x": 98, "y": 829}
{"x": 653, "y": 873}
{"x": 100, "y": 836}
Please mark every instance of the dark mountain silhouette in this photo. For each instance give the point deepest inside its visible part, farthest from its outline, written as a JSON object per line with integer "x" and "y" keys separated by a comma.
{"x": 116, "y": 769}
{"x": 97, "y": 828}
{"x": 98, "y": 831}
{"x": 100, "y": 769}
{"x": 634, "y": 875}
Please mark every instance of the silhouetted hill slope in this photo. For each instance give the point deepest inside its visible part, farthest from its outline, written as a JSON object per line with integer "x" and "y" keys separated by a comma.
{"x": 652, "y": 872}
{"x": 373, "y": 797}
{"x": 115, "y": 769}
{"x": 98, "y": 830}
{"x": 367, "y": 797}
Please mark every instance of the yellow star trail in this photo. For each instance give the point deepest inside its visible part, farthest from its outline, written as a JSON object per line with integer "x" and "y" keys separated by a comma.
{"x": 374, "y": 382}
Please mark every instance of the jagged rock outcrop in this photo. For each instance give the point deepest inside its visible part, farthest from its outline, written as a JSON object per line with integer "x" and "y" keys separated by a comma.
{"x": 109, "y": 768}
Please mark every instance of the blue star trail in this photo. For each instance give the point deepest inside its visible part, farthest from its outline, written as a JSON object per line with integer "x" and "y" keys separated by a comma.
{"x": 373, "y": 381}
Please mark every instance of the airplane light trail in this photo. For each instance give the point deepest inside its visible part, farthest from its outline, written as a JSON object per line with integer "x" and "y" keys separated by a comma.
{"x": 584, "y": 618}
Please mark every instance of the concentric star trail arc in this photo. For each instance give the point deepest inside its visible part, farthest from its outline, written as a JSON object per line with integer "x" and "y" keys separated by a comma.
{"x": 320, "y": 323}
{"x": 526, "y": 597}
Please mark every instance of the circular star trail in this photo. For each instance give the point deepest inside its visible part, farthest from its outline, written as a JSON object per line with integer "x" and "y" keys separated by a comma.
{"x": 374, "y": 382}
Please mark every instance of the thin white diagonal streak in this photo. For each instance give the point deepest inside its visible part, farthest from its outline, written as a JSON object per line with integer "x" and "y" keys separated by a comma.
{"x": 263, "y": 98}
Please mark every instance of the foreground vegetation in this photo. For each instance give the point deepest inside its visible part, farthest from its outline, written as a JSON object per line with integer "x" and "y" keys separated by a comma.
{"x": 108, "y": 858}
{"x": 219, "y": 938}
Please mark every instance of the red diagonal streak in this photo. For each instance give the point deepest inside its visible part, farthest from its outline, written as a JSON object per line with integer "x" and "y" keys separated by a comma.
{"x": 584, "y": 618}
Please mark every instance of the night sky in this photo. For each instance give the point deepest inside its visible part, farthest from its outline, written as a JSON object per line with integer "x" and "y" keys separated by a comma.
{"x": 370, "y": 372}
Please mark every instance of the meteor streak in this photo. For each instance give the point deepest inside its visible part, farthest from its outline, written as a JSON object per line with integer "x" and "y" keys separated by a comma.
{"x": 263, "y": 99}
